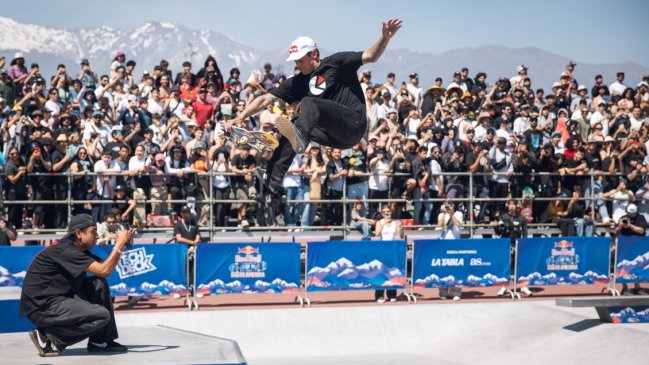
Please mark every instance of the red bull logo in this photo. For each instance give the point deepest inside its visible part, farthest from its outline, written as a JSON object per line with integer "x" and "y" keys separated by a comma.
{"x": 248, "y": 250}
{"x": 563, "y": 244}
{"x": 293, "y": 48}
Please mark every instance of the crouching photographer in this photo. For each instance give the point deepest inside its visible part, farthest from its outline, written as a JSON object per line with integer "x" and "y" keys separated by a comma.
{"x": 513, "y": 226}
{"x": 632, "y": 224}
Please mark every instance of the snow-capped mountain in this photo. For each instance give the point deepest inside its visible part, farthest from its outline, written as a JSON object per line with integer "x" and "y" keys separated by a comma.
{"x": 589, "y": 277}
{"x": 343, "y": 274}
{"x": 636, "y": 269}
{"x": 150, "y": 42}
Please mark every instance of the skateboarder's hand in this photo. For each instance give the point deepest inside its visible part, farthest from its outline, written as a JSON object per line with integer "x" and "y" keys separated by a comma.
{"x": 227, "y": 125}
{"x": 391, "y": 27}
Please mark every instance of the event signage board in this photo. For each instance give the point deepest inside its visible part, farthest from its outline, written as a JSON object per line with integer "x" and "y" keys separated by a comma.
{"x": 461, "y": 262}
{"x": 358, "y": 265}
{"x": 632, "y": 264}
{"x": 14, "y": 262}
{"x": 563, "y": 260}
{"x": 148, "y": 269}
{"x": 227, "y": 268}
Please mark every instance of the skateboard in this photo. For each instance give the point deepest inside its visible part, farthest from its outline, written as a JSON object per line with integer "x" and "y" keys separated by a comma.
{"x": 258, "y": 140}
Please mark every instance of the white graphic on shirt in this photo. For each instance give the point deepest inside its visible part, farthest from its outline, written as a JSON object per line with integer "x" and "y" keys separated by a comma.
{"x": 317, "y": 85}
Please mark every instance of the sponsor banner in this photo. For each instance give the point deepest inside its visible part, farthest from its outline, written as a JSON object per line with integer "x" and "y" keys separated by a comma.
{"x": 148, "y": 270}
{"x": 629, "y": 314}
{"x": 14, "y": 262}
{"x": 632, "y": 264}
{"x": 226, "y": 268}
{"x": 361, "y": 265}
{"x": 461, "y": 262}
{"x": 563, "y": 260}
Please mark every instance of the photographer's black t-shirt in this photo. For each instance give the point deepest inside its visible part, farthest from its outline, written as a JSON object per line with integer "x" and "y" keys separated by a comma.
{"x": 57, "y": 271}
{"x": 639, "y": 221}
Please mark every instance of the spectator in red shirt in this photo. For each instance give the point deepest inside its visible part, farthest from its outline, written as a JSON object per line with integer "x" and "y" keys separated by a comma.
{"x": 202, "y": 108}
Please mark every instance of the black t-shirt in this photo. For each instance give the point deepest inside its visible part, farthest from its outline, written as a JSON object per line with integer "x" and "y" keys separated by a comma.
{"x": 41, "y": 183}
{"x": 187, "y": 230}
{"x": 639, "y": 221}
{"x": 11, "y": 169}
{"x": 241, "y": 163}
{"x": 4, "y": 240}
{"x": 57, "y": 271}
{"x": 114, "y": 148}
{"x": 335, "y": 79}
{"x": 594, "y": 161}
{"x": 357, "y": 161}
{"x": 60, "y": 181}
{"x": 570, "y": 180}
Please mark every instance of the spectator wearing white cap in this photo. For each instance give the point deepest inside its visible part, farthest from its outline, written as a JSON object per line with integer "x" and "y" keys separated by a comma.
{"x": 517, "y": 80}
{"x": 18, "y": 73}
{"x": 632, "y": 224}
{"x": 582, "y": 94}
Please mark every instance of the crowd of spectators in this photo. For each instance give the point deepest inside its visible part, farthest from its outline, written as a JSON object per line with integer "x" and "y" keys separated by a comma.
{"x": 130, "y": 136}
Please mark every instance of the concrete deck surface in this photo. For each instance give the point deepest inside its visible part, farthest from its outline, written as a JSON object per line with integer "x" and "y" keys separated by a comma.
{"x": 444, "y": 333}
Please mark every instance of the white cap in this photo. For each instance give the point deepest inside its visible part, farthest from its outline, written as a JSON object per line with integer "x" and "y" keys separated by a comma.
{"x": 582, "y": 87}
{"x": 131, "y": 98}
{"x": 556, "y": 84}
{"x": 632, "y": 208}
{"x": 300, "y": 47}
{"x": 19, "y": 55}
{"x": 643, "y": 83}
{"x": 521, "y": 68}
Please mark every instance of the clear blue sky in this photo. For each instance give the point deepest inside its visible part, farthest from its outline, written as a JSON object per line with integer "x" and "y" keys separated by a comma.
{"x": 596, "y": 31}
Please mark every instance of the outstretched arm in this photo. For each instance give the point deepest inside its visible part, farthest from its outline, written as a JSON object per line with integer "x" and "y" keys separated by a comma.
{"x": 390, "y": 28}
{"x": 252, "y": 108}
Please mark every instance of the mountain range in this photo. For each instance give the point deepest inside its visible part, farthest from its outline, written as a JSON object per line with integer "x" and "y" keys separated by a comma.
{"x": 150, "y": 42}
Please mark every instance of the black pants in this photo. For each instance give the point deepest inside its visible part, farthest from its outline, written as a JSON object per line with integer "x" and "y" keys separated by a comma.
{"x": 390, "y": 293}
{"x": 16, "y": 210}
{"x": 220, "y": 209}
{"x": 324, "y": 121}
{"x": 334, "y": 211}
{"x": 89, "y": 314}
{"x": 375, "y": 208}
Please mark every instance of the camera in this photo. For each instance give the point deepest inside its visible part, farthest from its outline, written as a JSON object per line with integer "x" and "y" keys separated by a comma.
{"x": 625, "y": 220}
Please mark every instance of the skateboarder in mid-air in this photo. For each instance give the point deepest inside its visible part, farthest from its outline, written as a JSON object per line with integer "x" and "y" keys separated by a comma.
{"x": 332, "y": 101}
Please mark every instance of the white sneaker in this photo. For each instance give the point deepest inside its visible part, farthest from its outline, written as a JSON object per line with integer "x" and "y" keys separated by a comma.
{"x": 525, "y": 290}
{"x": 502, "y": 291}
{"x": 456, "y": 293}
{"x": 392, "y": 300}
{"x": 380, "y": 300}
{"x": 443, "y": 293}
{"x": 245, "y": 223}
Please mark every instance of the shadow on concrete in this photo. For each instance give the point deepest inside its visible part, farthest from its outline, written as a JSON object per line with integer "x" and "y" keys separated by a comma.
{"x": 131, "y": 348}
{"x": 583, "y": 325}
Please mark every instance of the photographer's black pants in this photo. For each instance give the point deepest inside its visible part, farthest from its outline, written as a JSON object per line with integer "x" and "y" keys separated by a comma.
{"x": 323, "y": 121}
{"x": 89, "y": 314}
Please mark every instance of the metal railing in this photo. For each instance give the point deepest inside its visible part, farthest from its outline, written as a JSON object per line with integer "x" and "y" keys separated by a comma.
{"x": 208, "y": 198}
